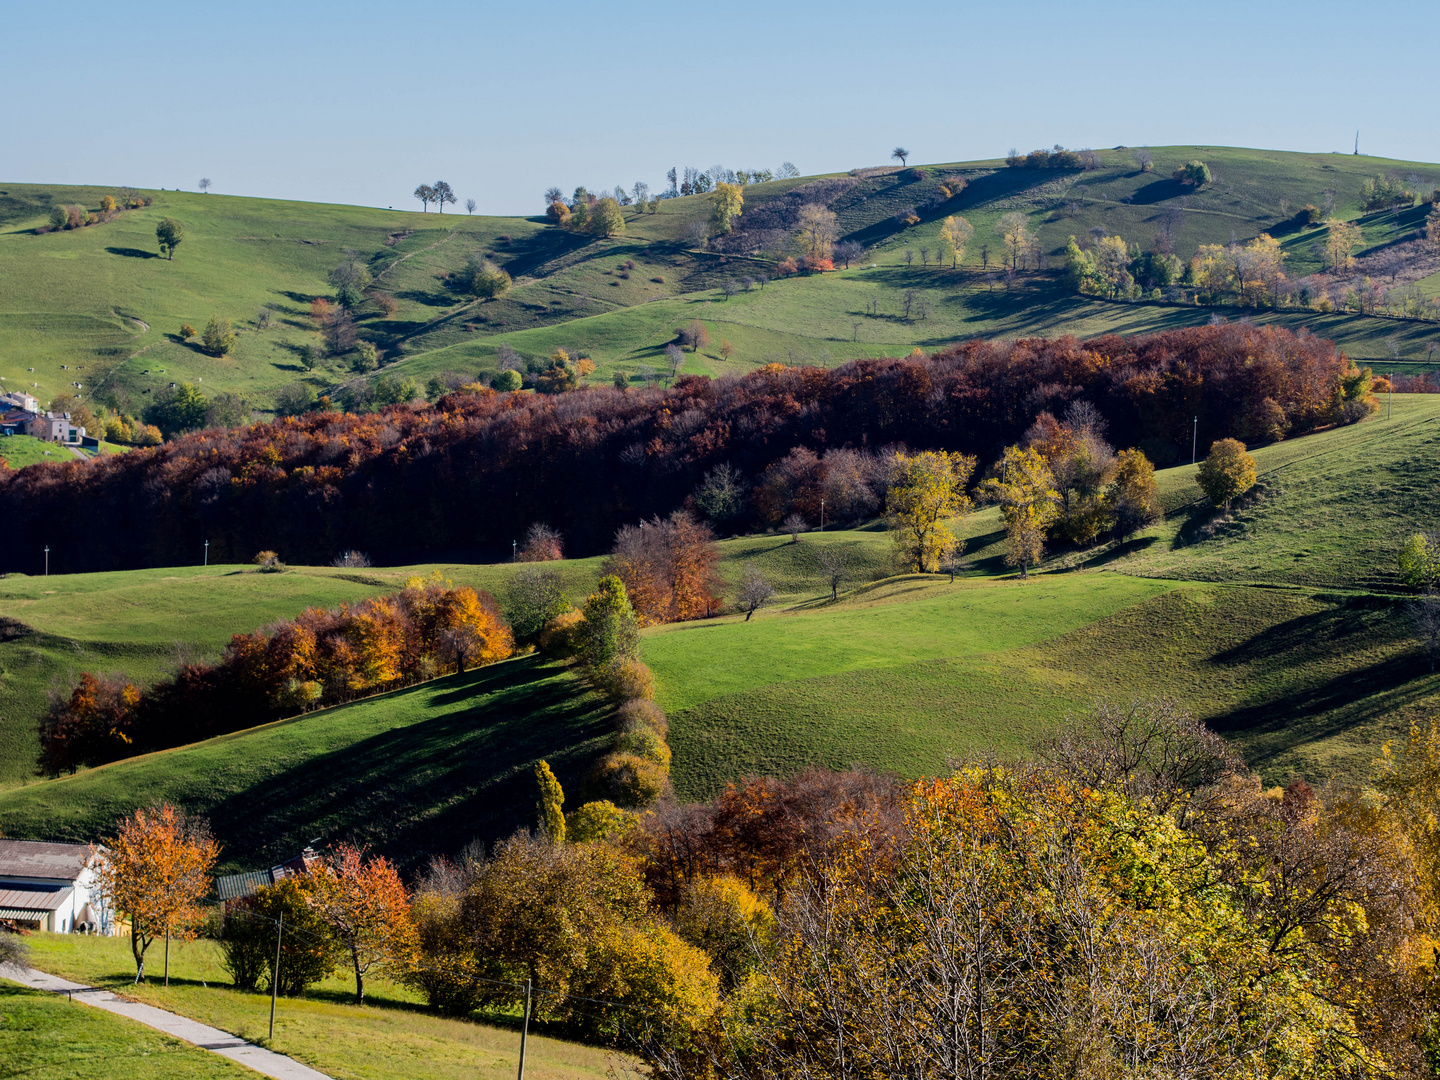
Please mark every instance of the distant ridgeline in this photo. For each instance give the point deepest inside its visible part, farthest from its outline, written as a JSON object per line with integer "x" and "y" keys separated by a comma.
{"x": 474, "y": 470}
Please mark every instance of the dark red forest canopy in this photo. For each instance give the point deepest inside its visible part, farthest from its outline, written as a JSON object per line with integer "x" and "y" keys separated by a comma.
{"x": 473, "y": 471}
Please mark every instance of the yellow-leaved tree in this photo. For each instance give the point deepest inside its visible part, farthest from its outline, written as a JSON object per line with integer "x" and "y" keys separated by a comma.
{"x": 955, "y": 233}
{"x": 927, "y": 492}
{"x": 155, "y": 872}
{"x": 1340, "y": 243}
{"x": 726, "y": 203}
{"x": 552, "y": 803}
{"x": 1227, "y": 471}
{"x": 367, "y": 910}
{"x": 1026, "y": 493}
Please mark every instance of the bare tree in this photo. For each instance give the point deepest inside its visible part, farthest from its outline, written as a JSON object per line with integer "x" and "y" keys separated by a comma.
{"x": 442, "y": 193}
{"x": 900, "y": 154}
{"x": 795, "y": 524}
{"x": 787, "y": 171}
{"x": 909, "y": 257}
{"x": 835, "y": 565}
{"x": 425, "y": 193}
{"x": 855, "y": 331}
{"x": 729, "y": 288}
{"x": 352, "y": 559}
{"x": 847, "y": 250}
{"x": 676, "y": 356}
{"x": 925, "y": 309}
{"x": 640, "y": 192}
{"x": 696, "y": 233}
{"x": 909, "y": 300}
{"x": 755, "y": 592}
{"x": 1425, "y": 614}
{"x": 1144, "y": 159}
{"x": 205, "y": 184}
{"x": 924, "y": 256}
{"x": 470, "y": 206}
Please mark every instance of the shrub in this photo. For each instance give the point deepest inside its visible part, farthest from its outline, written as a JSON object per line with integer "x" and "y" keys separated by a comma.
{"x": 444, "y": 968}
{"x": 187, "y": 331}
{"x": 265, "y": 558}
{"x": 506, "y": 381}
{"x": 915, "y": 174}
{"x": 365, "y": 359}
{"x": 563, "y": 635}
{"x": 786, "y": 267}
{"x": 386, "y": 304}
{"x": 626, "y": 679}
{"x": 600, "y": 821}
{"x": 641, "y": 713}
{"x": 1193, "y": 174}
{"x": 353, "y": 559}
{"x": 815, "y": 264}
{"x": 59, "y": 217}
{"x": 107, "y": 204}
{"x": 632, "y": 780}
{"x": 644, "y": 743}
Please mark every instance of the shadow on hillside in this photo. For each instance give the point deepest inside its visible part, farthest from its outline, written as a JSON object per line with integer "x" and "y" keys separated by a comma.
{"x": 132, "y": 253}
{"x": 429, "y": 299}
{"x": 1158, "y": 191}
{"x": 433, "y": 786}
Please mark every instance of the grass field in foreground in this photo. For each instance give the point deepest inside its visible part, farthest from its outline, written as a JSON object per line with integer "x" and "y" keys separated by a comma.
{"x": 391, "y": 1038}
{"x": 1303, "y": 683}
{"x": 410, "y": 773}
{"x": 45, "y": 1037}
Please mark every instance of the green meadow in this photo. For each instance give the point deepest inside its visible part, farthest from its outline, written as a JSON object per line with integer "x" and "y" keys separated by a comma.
{"x": 100, "y": 308}
{"x": 1281, "y": 624}
{"x": 392, "y": 1037}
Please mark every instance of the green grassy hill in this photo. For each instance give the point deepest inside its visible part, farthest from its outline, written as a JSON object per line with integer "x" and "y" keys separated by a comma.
{"x": 1281, "y": 627}
{"x": 99, "y": 307}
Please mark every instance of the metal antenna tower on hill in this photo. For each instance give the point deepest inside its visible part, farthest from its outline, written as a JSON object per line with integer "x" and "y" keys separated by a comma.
{"x": 1357, "y": 142}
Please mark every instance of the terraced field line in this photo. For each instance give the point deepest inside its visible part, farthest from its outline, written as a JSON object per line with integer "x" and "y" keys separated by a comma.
{"x": 263, "y": 1061}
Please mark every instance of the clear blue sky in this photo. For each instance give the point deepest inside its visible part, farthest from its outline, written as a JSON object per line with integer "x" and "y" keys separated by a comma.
{"x": 359, "y": 102}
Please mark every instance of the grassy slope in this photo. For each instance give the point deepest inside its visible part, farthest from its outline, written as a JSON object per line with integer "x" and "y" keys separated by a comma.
{"x": 1308, "y": 679}
{"x": 94, "y": 306}
{"x": 45, "y": 1037}
{"x": 389, "y": 1039}
{"x": 412, "y": 772}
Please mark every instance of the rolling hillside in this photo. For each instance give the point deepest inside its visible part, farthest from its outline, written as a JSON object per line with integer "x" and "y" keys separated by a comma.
{"x": 98, "y": 306}
{"x": 1281, "y": 628}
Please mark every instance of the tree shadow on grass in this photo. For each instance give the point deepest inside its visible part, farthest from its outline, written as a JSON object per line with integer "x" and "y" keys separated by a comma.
{"x": 432, "y": 786}
{"x": 132, "y": 253}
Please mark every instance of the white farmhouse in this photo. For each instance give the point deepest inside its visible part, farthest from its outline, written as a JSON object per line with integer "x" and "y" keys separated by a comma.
{"x": 52, "y": 887}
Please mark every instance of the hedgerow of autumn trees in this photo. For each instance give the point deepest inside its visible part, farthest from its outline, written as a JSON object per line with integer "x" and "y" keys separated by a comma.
{"x": 319, "y": 658}
{"x": 475, "y": 469}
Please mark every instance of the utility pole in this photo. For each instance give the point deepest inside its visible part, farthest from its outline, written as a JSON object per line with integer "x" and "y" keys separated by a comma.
{"x": 822, "y": 515}
{"x": 514, "y": 550}
{"x": 47, "y": 560}
{"x": 167, "y": 954}
{"x": 524, "y": 1030}
{"x": 275, "y": 976}
{"x": 1194, "y": 439}
{"x": 207, "y": 552}
{"x": 1390, "y": 393}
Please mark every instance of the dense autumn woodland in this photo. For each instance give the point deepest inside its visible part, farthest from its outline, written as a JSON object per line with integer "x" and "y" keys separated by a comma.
{"x": 474, "y": 470}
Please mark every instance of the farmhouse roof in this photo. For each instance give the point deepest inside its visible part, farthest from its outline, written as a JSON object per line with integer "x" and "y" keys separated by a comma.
{"x": 40, "y": 859}
{"x": 30, "y": 902}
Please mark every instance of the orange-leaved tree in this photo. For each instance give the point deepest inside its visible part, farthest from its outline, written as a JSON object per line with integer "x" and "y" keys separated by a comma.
{"x": 155, "y": 871}
{"x": 367, "y": 909}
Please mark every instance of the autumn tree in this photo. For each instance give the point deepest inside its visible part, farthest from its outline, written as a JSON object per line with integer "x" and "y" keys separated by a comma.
{"x": 1026, "y": 493}
{"x": 552, "y": 803}
{"x": 1132, "y": 498}
{"x": 927, "y": 492}
{"x": 817, "y": 230}
{"x": 1194, "y": 174}
{"x": 726, "y": 205}
{"x": 955, "y": 233}
{"x": 1227, "y": 471}
{"x": 169, "y": 233}
{"x": 606, "y": 218}
{"x": 156, "y": 871}
{"x": 1419, "y": 562}
{"x": 366, "y": 908}
{"x": 755, "y": 592}
{"x": 611, "y": 630}
{"x": 696, "y": 335}
{"x": 1014, "y": 229}
{"x": 668, "y": 568}
{"x": 1341, "y": 240}
{"x": 542, "y": 544}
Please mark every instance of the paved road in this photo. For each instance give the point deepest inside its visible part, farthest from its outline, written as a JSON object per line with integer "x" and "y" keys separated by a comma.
{"x": 202, "y": 1035}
